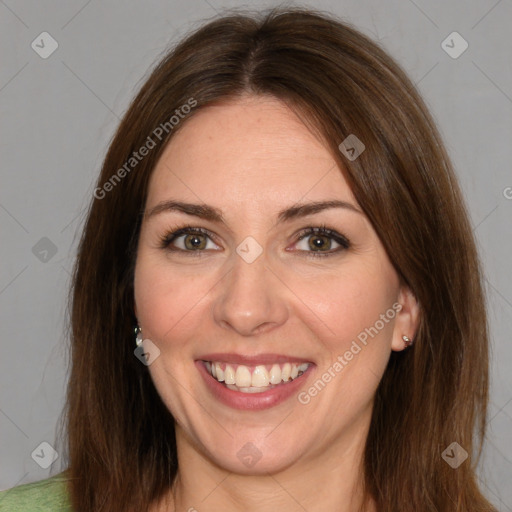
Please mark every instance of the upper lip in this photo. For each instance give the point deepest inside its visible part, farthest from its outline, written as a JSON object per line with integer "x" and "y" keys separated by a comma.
{"x": 252, "y": 360}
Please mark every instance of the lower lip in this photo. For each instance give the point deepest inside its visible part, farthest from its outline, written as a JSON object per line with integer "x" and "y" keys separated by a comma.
{"x": 252, "y": 401}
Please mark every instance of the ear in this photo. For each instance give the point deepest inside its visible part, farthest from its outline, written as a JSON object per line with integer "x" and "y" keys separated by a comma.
{"x": 407, "y": 318}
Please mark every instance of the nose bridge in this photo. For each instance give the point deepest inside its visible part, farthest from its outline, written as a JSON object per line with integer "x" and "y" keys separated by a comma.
{"x": 250, "y": 298}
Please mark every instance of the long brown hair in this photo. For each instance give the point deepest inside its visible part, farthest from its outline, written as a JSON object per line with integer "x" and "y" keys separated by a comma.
{"x": 122, "y": 452}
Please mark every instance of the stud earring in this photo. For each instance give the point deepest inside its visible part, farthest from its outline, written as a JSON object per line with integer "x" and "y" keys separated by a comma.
{"x": 407, "y": 341}
{"x": 138, "y": 336}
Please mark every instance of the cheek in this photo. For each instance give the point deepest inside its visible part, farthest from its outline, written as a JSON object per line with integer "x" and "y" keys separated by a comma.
{"x": 169, "y": 311}
{"x": 168, "y": 303}
{"x": 354, "y": 305}
{"x": 360, "y": 316}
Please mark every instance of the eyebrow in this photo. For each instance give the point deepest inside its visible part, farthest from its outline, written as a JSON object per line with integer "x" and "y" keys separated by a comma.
{"x": 213, "y": 214}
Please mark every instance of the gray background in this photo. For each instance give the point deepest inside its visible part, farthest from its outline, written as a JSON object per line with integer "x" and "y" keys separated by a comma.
{"x": 58, "y": 114}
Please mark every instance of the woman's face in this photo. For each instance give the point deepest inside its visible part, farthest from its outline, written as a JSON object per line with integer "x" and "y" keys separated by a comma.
{"x": 259, "y": 295}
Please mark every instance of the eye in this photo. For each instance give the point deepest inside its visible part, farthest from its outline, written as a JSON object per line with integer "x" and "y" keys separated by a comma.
{"x": 315, "y": 241}
{"x": 188, "y": 240}
{"x": 318, "y": 241}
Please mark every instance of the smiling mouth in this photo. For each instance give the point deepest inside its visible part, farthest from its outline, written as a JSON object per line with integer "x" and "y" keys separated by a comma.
{"x": 254, "y": 379}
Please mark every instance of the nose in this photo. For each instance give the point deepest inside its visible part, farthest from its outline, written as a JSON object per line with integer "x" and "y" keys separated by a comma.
{"x": 251, "y": 299}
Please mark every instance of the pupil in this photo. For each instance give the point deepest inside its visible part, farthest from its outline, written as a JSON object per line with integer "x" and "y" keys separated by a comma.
{"x": 318, "y": 242}
{"x": 194, "y": 242}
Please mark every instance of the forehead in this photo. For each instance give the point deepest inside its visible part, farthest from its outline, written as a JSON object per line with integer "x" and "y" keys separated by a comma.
{"x": 253, "y": 148}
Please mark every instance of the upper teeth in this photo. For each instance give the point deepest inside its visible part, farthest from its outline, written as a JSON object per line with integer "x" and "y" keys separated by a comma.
{"x": 256, "y": 376}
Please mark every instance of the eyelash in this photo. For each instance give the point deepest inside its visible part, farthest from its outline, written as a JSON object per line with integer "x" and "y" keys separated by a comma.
{"x": 322, "y": 230}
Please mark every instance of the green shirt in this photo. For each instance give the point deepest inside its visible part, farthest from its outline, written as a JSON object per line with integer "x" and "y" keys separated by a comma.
{"x": 48, "y": 495}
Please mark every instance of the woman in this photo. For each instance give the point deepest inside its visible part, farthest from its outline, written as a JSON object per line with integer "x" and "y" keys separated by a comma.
{"x": 277, "y": 301}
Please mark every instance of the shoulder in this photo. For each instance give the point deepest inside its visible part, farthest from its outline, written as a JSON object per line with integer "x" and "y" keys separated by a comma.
{"x": 50, "y": 495}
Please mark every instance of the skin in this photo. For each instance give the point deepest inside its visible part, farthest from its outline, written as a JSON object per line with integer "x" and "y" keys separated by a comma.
{"x": 251, "y": 158}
